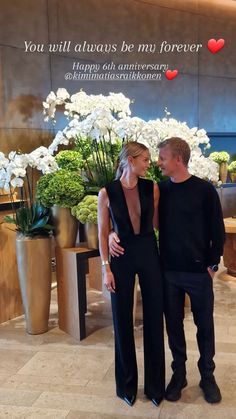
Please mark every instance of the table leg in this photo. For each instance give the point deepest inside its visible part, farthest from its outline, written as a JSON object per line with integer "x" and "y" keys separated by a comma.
{"x": 82, "y": 298}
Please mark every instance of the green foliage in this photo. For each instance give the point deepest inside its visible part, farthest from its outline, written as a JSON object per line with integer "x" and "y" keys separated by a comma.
{"x": 220, "y": 156}
{"x": 69, "y": 160}
{"x": 64, "y": 188}
{"x": 99, "y": 160}
{"x": 86, "y": 210}
{"x": 154, "y": 173}
{"x": 31, "y": 220}
{"x": 232, "y": 167}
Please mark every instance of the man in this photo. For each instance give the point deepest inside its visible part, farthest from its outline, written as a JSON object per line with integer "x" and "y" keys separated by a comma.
{"x": 191, "y": 237}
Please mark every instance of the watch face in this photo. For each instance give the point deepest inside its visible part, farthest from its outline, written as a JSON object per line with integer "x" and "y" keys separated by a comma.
{"x": 214, "y": 268}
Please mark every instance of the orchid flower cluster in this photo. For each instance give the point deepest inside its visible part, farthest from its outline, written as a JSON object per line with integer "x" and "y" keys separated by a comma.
{"x": 107, "y": 120}
{"x": 13, "y": 168}
{"x": 16, "y": 171}
{"x": 92, "y": 119}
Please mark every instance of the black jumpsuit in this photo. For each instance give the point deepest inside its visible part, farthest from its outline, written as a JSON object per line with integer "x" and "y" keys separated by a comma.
{"x": 140, "y": 257}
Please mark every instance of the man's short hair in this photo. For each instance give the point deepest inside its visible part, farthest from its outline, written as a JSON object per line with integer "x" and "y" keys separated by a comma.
{"x": 178, "y": 147}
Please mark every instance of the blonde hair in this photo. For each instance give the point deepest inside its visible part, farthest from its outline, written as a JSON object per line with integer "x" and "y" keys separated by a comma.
{"x": 179, "y": 147}
{"x": 131, "y": 148}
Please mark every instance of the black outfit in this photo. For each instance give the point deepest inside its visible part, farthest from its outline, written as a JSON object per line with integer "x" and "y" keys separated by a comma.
{"x": 191, "y": 239}
{"x": 140, "y": 257}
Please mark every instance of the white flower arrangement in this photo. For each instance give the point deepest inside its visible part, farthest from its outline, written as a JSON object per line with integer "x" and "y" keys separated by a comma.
{"x": 13, "y": 169}
{"x": 104, "y": 119}
{"x": 109, "y": 117}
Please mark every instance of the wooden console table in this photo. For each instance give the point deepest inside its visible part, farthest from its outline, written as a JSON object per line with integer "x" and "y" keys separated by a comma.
{"x": 230, "y": 246}
{"x": 71, "y": 282}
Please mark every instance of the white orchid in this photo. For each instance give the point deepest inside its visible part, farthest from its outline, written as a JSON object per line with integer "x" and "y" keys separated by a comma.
{"x": 203, "y": 167}
{"x": 80, "y": 105}
{"x": 17, "y": 182}
{"x": 129, "y": 128}
{"x": 58, "y": 140}
{"x": 108, "y": 118}
{"x": 14, "y": 172}
{"x": 3, "y": 161}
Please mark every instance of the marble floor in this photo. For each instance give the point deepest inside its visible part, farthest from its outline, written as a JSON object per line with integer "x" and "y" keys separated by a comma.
{"x": 53, "y": 376}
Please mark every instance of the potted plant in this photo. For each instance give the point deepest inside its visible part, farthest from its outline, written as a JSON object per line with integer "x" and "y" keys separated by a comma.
{"x": 61, "y": 191}
{"x": 71, "y": 160}
{"x": 222, "y": 158}
{"x": 86, "y": 213}
{"x": 232, "y": 171}
{"x": 33, "y": 233}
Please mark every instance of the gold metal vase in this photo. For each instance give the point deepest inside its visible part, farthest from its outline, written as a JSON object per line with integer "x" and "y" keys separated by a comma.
{"x": 233, "y": 177}
{"x": 91, "y": 235}
{"x": 34, "y": 270}
{"x": 66, "y": 226}
{"x": 223, "y": 172}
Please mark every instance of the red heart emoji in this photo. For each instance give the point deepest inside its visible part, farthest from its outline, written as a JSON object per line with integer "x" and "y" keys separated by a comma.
{"x": 215, "y": 46}
{"x": 171, "y": 74}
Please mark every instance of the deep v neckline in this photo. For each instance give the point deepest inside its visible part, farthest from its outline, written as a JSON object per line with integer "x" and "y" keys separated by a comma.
{"x": 126, "y": 205}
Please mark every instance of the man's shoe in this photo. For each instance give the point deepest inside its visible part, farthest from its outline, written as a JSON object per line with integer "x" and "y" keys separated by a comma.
{"x": 173, "y": 390}
{"x": 210, "y": 389}
{"x": 128, "y": 399}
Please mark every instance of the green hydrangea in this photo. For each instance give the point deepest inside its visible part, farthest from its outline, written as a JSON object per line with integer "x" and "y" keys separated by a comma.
{"x": 232, "y": 167}
{"x": 69, "y": 160}
{"x": 86, "y": 210}
{"x": 64, "y": 188}
{"x": 220, "y": 156}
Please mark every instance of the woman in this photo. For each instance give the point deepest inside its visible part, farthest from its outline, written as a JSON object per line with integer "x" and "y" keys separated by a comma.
{"x": 131, "y": 203}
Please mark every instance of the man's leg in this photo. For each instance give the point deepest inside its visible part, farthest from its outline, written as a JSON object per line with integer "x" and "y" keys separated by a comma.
{"x": 202, "y": 306}
{"x": 174, "y": 298}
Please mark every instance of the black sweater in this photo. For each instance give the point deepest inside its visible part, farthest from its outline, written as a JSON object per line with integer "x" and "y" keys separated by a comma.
{"x": 191, "y": 231}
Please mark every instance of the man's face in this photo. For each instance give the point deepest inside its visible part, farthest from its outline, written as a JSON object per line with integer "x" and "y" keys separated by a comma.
{"x": 167, "y": 162}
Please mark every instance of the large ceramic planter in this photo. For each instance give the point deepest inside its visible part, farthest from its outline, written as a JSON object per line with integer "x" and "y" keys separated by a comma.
{"x": 66, "y": 226}
{"x": 223, "y": 172}
{"x": 91, "y": 235}
{"x": 34, "y": 270}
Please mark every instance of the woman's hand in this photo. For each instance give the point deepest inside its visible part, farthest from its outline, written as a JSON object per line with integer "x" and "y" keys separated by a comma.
{"x": 109, "y": 280}
{"x": 114, "y": 248}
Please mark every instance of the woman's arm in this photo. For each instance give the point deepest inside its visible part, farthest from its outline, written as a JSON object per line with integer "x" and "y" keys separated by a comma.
{"x": 156, "y": 195}
{"x": 103, "y": 234}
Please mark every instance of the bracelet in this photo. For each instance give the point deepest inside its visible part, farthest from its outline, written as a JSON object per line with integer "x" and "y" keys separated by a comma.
{"x": 105, "y": 262}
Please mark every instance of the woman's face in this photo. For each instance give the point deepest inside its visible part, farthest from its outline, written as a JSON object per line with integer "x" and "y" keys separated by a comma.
{"x": 141, "y": 163}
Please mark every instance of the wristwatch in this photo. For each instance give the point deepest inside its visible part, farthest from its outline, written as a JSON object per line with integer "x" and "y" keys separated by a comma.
{"x": 214, "y": 268}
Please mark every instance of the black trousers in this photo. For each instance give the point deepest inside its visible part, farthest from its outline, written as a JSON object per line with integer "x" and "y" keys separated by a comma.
{"x": 200, "y": 290}
{"x": 140, "y": 257}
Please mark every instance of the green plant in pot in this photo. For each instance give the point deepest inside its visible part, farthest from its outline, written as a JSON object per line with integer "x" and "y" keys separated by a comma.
{"x": 70, "y": 160}
{"x": 63, "y": 188}
{"x": 34, "y": 230}
{"x": 232, "y": 171}
{"x": 86, "y": 213}
{"x": 222, "y": 158}
{"x": 61, "y": 191}
{"x": 31, "y": 220}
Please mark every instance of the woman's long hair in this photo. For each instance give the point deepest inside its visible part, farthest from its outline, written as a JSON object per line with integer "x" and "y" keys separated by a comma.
{"x": 131, "y": 148}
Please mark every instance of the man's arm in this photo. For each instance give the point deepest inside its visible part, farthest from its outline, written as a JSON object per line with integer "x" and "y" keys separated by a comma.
{"x": 217, "y": 229}
{"x": 114, "y": 248}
